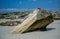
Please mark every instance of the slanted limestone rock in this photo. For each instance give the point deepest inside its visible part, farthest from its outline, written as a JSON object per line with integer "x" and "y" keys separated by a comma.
{"x": 36, "y": 20}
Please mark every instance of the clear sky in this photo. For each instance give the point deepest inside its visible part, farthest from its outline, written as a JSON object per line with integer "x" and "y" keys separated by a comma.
{"x": 29, "y": 4}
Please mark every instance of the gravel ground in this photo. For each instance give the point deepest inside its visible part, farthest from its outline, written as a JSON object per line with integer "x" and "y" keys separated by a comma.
{"x": 53, "y": 32}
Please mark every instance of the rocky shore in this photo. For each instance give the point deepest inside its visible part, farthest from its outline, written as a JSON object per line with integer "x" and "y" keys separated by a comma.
{"x": 10, "y": 23}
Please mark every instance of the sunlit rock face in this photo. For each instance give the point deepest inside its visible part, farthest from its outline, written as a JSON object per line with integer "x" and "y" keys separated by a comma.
{"x": 41, "y": 13}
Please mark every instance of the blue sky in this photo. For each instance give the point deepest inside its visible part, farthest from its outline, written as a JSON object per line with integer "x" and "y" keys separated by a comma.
{"x": 30, "y": 4}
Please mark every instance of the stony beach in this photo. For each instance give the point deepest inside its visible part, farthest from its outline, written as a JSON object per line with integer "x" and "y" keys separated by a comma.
{"x": 53, "y": 32}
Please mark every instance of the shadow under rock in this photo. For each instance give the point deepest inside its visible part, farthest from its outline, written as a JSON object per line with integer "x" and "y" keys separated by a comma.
{"x": 48, "y": 29}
